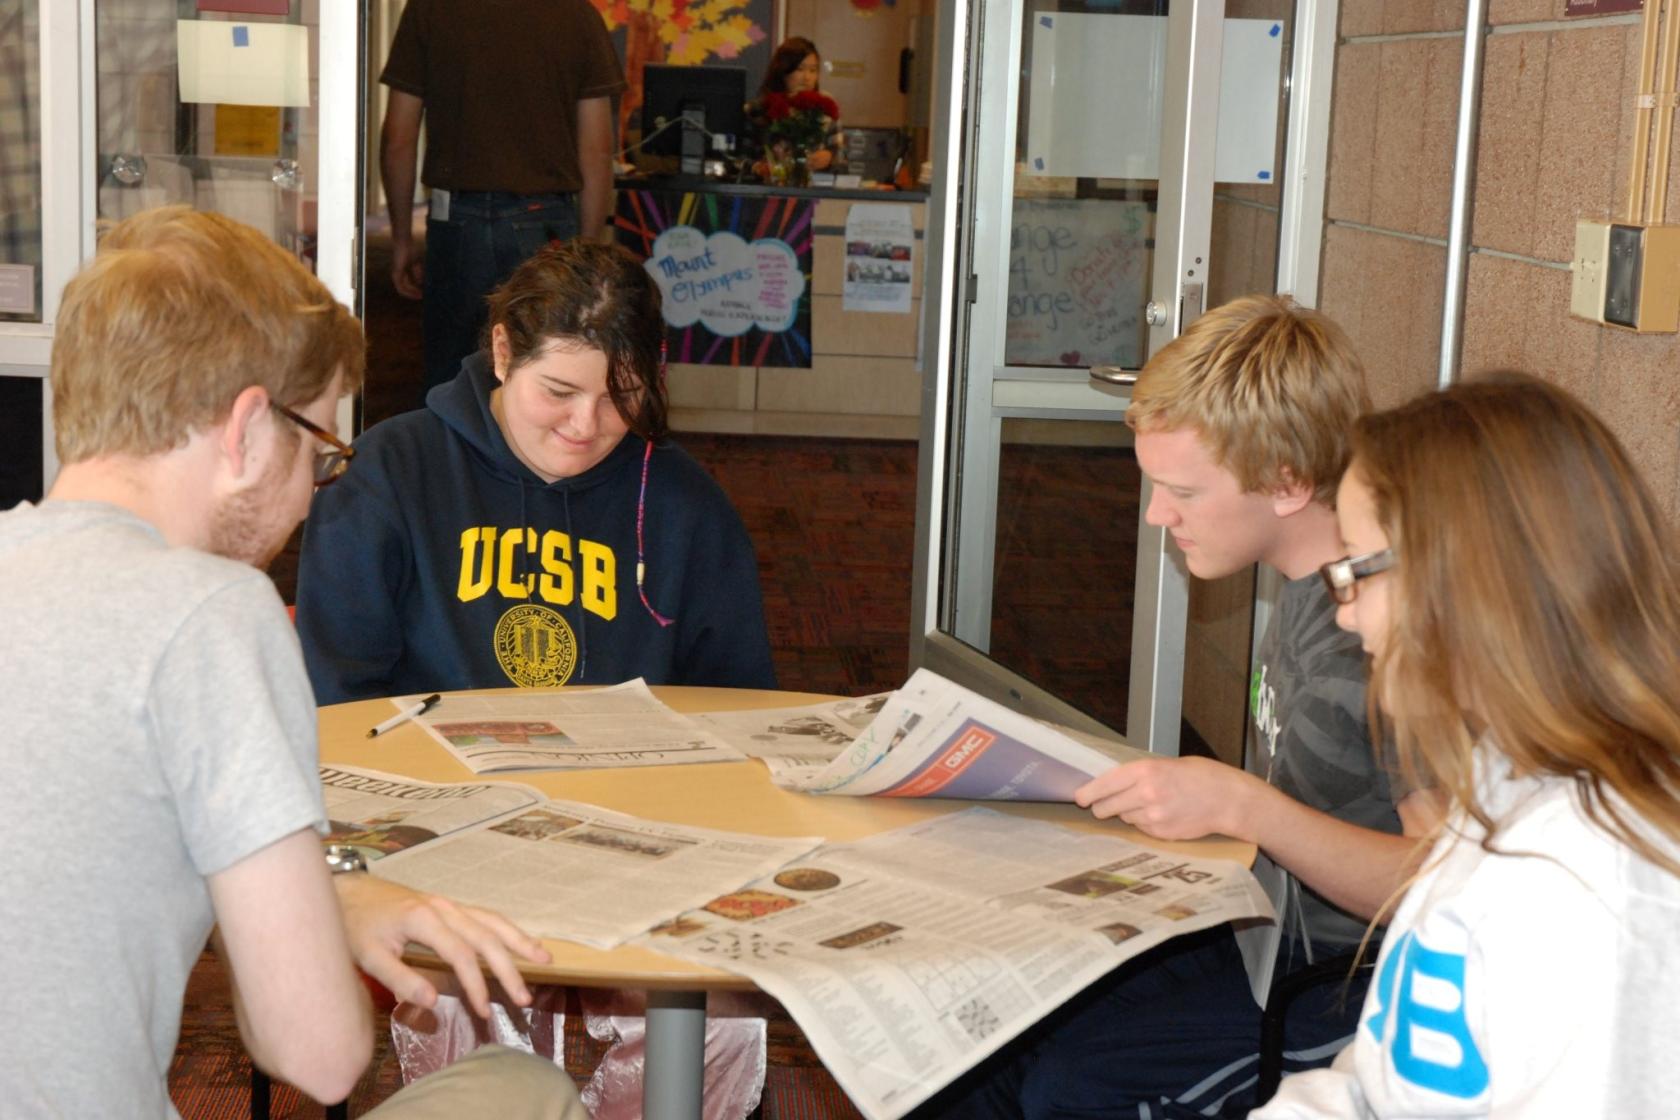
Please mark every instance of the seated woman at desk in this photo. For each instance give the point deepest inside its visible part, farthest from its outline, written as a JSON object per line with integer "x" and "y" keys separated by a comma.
{"x": 791, "y": 115}
{"x": 1514, "y": 581}
{"x": 533, "y": 525}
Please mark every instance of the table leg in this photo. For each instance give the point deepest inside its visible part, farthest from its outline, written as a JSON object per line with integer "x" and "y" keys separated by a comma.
{"x": 676, "y": 1055}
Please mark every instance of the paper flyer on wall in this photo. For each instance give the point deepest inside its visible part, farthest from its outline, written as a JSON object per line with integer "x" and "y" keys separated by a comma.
{"x": 934, "y": 738}
{"x": 583, "y": 873}
{"x": 381, "y": 814}
{"x": 908, "y": 957}
{"x": 880, "y": 257}
{"x": 577, "y": 729}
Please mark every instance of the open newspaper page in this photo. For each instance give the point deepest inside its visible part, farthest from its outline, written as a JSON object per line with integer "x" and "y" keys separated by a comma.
{"x": 909, "y": 957}
{"x": 578, "y": 729}
{"x": 381, "y": 814}
{"x": 934, "y": 738}
{"x": 795, "y": 744}
{"x": 587, "y": 874}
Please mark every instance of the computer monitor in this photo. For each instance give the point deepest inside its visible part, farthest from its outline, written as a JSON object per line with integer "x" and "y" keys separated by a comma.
{"x": 712, "y": 97}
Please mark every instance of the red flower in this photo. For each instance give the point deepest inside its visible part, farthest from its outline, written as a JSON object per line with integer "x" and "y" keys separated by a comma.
{"x": 812, "y": 99}
{"x": 776, "y": 106}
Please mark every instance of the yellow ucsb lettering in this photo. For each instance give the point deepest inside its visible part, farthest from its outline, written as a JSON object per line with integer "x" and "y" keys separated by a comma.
{"x": 490, "y": 558}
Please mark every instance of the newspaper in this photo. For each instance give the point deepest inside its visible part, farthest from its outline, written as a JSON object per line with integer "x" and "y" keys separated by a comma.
{"x": 381, "y": 814}
{"x": 909, "y": 957}
{"x": 795, "y": 744}
{"x": 934, "y": 738}
{"x": 587, "y": 874}
{"x": 578, "y": 729}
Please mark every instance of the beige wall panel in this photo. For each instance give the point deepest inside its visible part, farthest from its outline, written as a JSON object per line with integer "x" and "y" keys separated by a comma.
{"x": 694, "y": 386}
{"x": 1361, "y": 17}
{"x": 862, "y": 333}
{"x": 1353, "y": 132}
{"x": 1639, "y": 397}
{"x": 1417, "y": 108}
{"x": 1508, "y": 143}
{"x": 1402, "y": 16}
{"x": 1517, "y": 317}
{"x": 885, "y": 386}
{"x": 1342, "y": 276}
{"x": 1386, "y": 293}
{"x": 1523, "y": 11}
{"x": 1579, "y": 140}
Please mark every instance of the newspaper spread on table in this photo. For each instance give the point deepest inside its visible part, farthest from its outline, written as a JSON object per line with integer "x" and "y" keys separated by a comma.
{"x": 908, "y": 957}
{"x": 795, "y": 744}
{"x": 587, "y": 874}
{"x": 935, "y": 738}
{"x": 578, "y": 729}
{"x": 382, "y": 814}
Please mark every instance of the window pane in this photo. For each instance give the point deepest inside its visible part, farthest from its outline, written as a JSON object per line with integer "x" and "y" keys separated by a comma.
{"x": 20, "y": 162}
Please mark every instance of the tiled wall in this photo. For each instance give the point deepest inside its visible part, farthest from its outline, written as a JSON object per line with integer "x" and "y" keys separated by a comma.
{"x": 1554, "y": 145}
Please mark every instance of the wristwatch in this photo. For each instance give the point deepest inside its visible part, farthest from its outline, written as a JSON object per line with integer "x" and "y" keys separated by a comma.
{"x": 344, "y": 858}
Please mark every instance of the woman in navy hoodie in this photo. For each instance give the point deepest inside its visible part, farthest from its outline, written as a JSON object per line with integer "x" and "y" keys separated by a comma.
{"x": 533, "y": 525}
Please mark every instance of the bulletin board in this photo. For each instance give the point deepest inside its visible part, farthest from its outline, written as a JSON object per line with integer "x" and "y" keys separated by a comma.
{"x": 1078, "y": 270}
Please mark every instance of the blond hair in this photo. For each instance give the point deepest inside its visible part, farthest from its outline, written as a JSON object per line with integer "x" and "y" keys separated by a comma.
{"x": 1537, "y": 602}
{"x": 1271, "y": 387}
{"x": 180, "y": 311}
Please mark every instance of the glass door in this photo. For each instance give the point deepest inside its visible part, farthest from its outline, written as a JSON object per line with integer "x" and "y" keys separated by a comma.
{"x": 1084, "y": 141}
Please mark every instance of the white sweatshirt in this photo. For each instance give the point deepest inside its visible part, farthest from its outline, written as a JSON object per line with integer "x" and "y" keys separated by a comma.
{"x": 1543, "y": 982}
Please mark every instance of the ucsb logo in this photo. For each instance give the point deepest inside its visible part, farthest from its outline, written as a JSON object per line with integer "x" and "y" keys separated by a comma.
{"x": 1423, "y": 991}
{"x": 491, "y": 558}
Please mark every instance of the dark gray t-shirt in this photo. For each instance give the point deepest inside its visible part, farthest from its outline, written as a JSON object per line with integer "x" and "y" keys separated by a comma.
{"x": 1311, "y": 738}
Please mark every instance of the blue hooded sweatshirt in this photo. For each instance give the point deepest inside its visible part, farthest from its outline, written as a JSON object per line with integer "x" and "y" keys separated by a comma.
{"x": 440, "y": 561}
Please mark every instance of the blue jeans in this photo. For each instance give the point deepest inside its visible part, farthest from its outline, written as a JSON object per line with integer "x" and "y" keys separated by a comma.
{"x": 469, "y": 253}
{"x": 1172, "y": 1033}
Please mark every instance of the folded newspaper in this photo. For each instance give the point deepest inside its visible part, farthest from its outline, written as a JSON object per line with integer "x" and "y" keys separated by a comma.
{"x": 931, "y": 738}
{"x": 908, "y": 957}
{"x": 577, "y": 729}
{"x": 556, "y": 868}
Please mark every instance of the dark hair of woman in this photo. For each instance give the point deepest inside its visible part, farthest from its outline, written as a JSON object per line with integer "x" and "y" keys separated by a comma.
{"x": 598, "y": 296}
{"x": 785, "y": 61}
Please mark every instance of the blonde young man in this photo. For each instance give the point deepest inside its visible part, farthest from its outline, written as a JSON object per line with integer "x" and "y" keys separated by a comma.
{"x": 154, "y": 695}
{"x": 1242, "y": 429}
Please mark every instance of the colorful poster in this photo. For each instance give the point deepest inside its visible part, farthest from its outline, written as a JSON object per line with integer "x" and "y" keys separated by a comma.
{"x": 735, "y": 273}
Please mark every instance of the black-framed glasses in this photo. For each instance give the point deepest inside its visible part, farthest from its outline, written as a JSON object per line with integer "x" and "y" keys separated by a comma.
{"x": 331, "y": 461}
{"x": 1342, "y": 576}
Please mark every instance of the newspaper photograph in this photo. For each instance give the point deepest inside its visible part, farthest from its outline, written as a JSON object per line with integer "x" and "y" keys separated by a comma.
{"x": 935, "y": 738}
{"x": 795, "y": 743}
{"x": 381, "y": 814}
{"x": 905, "y": 965}
{"x": 583, "y": 873}
{"x": 578, "y": 729}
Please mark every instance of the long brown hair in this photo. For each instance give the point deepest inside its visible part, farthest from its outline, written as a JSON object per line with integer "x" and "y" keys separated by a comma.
{"x": 1537, "y": 603}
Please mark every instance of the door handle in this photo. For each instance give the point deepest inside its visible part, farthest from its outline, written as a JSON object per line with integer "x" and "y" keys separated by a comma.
{"x": 1114, "y": 375}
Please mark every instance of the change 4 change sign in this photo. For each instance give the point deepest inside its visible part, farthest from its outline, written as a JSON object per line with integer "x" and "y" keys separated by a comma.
{"x": 734, "y": 273}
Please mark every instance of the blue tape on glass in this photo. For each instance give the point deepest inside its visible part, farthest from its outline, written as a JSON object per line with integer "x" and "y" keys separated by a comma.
{"x": 241, "y": 35}
{"x": 1277, "y": 29}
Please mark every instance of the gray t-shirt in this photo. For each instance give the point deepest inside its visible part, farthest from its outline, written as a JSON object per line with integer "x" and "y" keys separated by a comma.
{"x": 1311, "y": 738}
{"x": 159, "y": 727}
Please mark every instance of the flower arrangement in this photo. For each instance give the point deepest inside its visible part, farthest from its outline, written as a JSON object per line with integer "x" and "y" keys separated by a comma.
{"x": 801, "y": 120}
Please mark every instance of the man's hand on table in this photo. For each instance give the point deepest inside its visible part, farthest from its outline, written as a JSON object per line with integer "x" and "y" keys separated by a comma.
{"x": 382, "y": 918}
{"x": 1174, "y": 798}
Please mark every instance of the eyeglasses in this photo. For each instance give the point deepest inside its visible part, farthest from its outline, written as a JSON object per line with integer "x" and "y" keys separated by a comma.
{"x": 1342, "y": 576}
{"x": 329, "y": 462}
